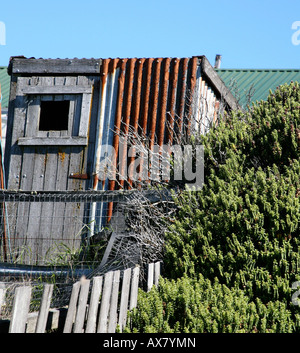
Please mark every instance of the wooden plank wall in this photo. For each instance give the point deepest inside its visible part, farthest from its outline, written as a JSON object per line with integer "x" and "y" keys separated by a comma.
{"x": 97, "y": 305}
{"x": 33, "y": 167}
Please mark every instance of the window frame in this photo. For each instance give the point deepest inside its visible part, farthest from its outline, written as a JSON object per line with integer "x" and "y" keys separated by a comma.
{"x": 79, "y": 110}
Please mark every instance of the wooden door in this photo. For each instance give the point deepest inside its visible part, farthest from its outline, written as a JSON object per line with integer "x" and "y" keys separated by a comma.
{"x": 49, "y": 147}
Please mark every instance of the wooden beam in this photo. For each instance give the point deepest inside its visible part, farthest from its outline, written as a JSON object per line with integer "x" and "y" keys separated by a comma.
{"x": 54, "y": 89}
{"x": 53, "y": 141}
{"x": 54, "y": 66}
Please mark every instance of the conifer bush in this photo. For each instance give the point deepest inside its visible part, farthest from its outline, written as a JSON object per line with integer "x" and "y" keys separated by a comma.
{"x": 243, "y": 227}
{"x": 198, "y": 305}
{"x": 238, "y": 238}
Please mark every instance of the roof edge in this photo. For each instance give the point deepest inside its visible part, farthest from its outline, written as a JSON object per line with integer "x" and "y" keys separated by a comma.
{"x": 218, "y": 84}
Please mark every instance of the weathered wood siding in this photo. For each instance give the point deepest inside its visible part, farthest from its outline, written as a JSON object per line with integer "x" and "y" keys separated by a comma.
{"x": 42, "y": 160}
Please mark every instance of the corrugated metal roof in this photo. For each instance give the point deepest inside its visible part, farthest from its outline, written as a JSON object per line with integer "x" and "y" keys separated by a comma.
{"x": 5, "y": 86}
{"x": 259, "y": 81}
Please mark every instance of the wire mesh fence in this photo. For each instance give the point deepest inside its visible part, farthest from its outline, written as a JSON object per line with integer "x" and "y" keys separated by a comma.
{"x": 70, "y": 233}
{"x": 36, "y": 227}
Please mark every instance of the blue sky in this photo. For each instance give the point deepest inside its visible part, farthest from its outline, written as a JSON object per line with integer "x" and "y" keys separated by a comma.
{"x": 248, "y": 34}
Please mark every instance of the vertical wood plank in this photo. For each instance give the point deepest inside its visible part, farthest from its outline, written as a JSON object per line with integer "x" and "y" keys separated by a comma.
{"x": 85, "y": 114}
{"x": 105, "y": 303}
{"x": 134, "y": 288}
{"x": 112, "y": 323}
{"x": 124, "y": 298}
{"x": 150, "y": 276}
{"x": 82, "y": 302}
{"x": 156, "y": 272}
{"x": 48, "y": 208}
{"x": 72, "y": 308}
{"x": 34, "y": 233}
{"x": 20, "y": 309}
{"x": 44, "y": 309}
{"x": 94, "y": 303}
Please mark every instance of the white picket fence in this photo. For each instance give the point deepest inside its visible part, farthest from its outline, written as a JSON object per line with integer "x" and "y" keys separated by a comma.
{"x": 97, "y": 305}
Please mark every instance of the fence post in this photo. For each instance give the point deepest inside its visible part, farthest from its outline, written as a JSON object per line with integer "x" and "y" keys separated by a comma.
{"x": 44, "y": 309}
{"x": 94, "y": 303}
{"x": 20, "y": 309}
{"x": 105, "y": 301}
{"x": 124, "y": 298}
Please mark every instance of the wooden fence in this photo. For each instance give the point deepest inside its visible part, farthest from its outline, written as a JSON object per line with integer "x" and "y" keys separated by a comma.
{"x": 97, "y": 305}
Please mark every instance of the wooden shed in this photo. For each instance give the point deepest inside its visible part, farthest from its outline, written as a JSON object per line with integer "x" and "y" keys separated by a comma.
{"x": 64, "y": 113}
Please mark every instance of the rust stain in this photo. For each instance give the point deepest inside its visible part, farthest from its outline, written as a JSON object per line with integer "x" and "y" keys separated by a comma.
{"x": 61, "y": 155}
{"x": 182, "y": 93}
{"x": 136, "y": 107}
{"x": 193, "y": 79}
{"x": 154, "y": 102}
{"x": 126, "y": 116}
{"x": 163, "y": 104}
{"x": 103, "y": 72}
{"x": 45, "y": 159}
{"x": 172, "y": 107}
{"x": 147, "y": 96}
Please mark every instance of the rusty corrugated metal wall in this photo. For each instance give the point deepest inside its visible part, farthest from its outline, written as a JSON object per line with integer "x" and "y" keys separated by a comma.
{"x": 157, "y": 98}
{"x": 154, "y": 97}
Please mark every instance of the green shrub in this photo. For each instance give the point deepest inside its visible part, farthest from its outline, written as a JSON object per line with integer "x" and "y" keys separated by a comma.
{"x": 243, "y": 227}
{"x": 232, "y": 251}
{"x": 187, "y": 305}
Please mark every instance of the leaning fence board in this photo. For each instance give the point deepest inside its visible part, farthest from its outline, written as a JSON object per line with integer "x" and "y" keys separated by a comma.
{"x": 72, "y": 308}
{"x": 94, "y": 304}
{"x": 82, "y": 303}
{"x": 105, "y": 301}
{"x": 112, "y": 323}
{"x": 20, "y": 309}
{"x": 44, "y": 309}
{"x": 134, "y": 288}
{"x": 124, "y": 298}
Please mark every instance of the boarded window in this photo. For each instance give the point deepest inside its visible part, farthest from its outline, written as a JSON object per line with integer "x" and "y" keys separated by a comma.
{"x": 54, "y": 115}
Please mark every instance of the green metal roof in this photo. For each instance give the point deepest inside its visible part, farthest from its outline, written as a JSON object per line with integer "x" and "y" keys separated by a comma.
{"x": 5, "y": 86}
{"x": 241, "y": 81}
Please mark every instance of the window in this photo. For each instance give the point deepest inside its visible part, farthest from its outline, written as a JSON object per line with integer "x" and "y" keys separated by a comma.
{"x": 54, "y": 115}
